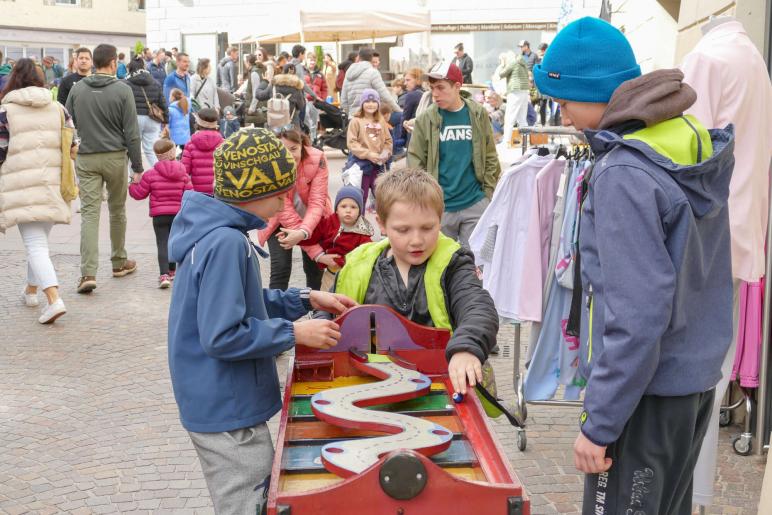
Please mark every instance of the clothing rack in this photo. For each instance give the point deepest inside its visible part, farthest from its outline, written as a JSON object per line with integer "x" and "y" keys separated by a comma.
{"x": 550, "y": 131}
{"x": 521, "y": 409}
{"x": 763, "y": 426}
{"x": 764, "y": 395}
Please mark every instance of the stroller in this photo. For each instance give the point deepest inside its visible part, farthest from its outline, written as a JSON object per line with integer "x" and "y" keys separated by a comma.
{"x": 333, "y": 125}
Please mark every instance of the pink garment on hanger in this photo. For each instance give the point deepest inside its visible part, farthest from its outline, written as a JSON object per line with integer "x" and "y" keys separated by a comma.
{"x": 536, "y": 247}
{"x": 732, "y": 84}
{"x": 749, "y": 329}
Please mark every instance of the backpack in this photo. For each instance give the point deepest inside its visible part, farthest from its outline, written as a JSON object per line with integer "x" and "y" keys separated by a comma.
{"x": 278, "y": 111}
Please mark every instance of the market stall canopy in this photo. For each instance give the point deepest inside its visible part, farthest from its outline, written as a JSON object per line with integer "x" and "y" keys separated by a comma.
{"x": 333, "y": 20}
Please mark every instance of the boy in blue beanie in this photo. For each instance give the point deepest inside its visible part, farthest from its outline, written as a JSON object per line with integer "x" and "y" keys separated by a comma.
{"x": 655, "y": 270}
{"x": 225, "y": 330}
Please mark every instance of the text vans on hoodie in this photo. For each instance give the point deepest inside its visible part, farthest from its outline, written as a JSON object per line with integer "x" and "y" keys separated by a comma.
{"x": 224, "y": 328}
{"x": 103, "y": 110}
{"x": 166, "y": 182}
{"x": 198, "y": 159}
{"x": 655, "y": 253}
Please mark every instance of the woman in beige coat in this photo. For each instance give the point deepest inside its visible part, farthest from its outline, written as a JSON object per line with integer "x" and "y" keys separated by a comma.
{"x": 30, "y": 177}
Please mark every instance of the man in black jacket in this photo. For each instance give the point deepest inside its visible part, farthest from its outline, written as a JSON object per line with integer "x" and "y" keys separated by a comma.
{"x": 464, "y": 63}
{"x": 83, "y": 64}
{"x": 104, "y": 113}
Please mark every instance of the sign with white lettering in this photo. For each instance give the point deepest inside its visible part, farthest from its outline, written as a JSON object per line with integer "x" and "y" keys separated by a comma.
{"x": 495, "y": 27}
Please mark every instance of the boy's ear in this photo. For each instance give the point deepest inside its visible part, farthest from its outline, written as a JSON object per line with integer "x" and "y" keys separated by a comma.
{"x": 381, "y": 225}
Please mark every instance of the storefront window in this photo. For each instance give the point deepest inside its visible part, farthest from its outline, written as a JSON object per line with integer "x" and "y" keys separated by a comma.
{"x": 14, "y": 52}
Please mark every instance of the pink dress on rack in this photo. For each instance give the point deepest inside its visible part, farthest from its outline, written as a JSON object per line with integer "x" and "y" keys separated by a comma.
{"x": 749, "y": 338}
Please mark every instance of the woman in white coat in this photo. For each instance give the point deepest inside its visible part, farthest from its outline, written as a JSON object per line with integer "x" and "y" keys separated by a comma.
{"x": 30, "y": 177}
{"x": 203, "y": 88}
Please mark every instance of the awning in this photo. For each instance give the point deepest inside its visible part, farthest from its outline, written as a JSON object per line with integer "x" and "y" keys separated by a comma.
{"x": 333, "y": 20}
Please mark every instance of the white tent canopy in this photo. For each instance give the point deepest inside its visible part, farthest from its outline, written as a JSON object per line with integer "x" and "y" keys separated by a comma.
{"x": 334, "y": 20}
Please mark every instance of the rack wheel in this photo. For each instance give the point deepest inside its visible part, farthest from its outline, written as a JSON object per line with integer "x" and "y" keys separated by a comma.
{"x": 742, "y": 445}
{"x": 725, "y": 418}
{"x": 522, "y": 440}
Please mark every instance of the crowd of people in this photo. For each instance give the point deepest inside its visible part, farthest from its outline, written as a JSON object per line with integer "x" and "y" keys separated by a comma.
{"x": 646, "y": 228}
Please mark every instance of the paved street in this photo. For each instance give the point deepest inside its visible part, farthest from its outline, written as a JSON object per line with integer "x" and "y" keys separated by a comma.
{"x": 88, "y": 422}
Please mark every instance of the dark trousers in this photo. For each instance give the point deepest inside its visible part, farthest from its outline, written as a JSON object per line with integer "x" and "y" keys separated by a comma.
{"x": 162, "y": 225}
{"x": 368, "y": 185}
{"x": 281, "y": 267}
{"x": 653, "y": 459}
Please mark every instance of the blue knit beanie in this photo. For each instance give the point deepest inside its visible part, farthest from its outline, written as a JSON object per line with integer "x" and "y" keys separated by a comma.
{"x": 354, "y": 194}
{"x": 586, "y": 62}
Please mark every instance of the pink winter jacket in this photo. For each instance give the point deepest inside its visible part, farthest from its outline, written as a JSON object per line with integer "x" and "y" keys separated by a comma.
{"x": 311, "y": 187}
{"x": 165, "y": 183}
{"x": 198, "y": 158}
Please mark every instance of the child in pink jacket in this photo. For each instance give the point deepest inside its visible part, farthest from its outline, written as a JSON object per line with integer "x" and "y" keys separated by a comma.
{"x": 165, "y": 183}
{"x": 198, "y": 156}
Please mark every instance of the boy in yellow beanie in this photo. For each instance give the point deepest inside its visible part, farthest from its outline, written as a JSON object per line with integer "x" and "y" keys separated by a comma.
{"x": 225, "y": 330}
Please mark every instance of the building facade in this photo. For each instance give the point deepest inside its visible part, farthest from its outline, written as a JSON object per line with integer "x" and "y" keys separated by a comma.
{"x": 38, "y": 28}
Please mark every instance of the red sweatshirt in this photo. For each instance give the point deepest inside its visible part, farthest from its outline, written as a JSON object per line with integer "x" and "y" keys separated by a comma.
{"x": 336, "y": 239}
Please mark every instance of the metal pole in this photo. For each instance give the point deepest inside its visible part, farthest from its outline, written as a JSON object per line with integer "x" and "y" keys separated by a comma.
{"x": 761, "y": 398}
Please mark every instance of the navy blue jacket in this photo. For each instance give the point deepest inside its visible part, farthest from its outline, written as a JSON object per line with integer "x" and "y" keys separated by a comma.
{"x": 175, "y": 81}
{"x": 656, "y": 269}
{"x": 224, "y": 328}
{"x": 158, "y": 73}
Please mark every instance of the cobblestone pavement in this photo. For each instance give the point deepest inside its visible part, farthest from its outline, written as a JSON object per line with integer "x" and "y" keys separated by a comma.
{"x": 88, "y": 422}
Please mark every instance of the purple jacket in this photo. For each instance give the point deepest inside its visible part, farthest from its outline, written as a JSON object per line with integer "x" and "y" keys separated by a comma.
{"x": 198, "y": 158}
{"x": 165, "y": 183}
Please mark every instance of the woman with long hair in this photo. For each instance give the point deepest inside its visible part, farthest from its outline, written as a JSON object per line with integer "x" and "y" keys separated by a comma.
{"x": 203, "y": 88}
{"x": 330, "y": 72}
{"x": 30, "y": 177}
{"x": 270, "y": 66}
{"x": 179, "y": 120}
{"x": 305, "y": 204}
{"x": 255, "y": 108}
{"x": 414, "y": 91}
{"x": 146, "y": 91}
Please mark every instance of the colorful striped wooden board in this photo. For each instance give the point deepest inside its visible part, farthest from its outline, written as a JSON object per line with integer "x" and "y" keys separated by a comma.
{"x": 307, "y": 458}
{"x": 299, "y": 482}
{"x": 318, "y": 430}
{"x": 310, "y": 388}
{"x": 436, "y": 403}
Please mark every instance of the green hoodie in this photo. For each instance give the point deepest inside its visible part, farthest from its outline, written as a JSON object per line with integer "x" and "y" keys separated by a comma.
{"x": 105, "y": 116}
{"x": 5, "y": 69}
{"x": 424, "y": 151}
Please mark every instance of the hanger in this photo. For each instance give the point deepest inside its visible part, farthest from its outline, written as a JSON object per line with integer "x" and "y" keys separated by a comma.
{"x": 542, "y": 151}
{"x": 715, "y": 21}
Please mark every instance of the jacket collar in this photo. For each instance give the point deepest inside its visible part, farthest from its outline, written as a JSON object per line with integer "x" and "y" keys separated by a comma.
{"x": 434, "y": 111}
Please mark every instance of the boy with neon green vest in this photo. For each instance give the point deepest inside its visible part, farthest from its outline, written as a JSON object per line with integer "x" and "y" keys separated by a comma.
{"x": 422, "y": 274}
{"x": 654, "y": 257}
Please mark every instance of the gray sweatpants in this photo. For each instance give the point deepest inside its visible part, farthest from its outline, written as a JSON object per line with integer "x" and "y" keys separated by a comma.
{"x": 234, "y": 464}
{"x": 459, "y": 225}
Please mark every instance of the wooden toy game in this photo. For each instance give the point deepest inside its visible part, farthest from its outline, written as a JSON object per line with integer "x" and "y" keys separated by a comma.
{"x": 369, "y": 427}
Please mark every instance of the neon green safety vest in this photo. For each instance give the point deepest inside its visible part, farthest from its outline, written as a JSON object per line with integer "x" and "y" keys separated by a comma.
{"x": 354, "y": 278}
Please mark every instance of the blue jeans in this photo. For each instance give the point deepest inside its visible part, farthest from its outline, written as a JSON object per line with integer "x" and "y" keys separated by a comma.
{"x": 149, "y": 131}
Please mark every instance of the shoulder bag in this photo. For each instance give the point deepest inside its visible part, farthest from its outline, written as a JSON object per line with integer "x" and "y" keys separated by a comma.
{"x": 153, "y": 111}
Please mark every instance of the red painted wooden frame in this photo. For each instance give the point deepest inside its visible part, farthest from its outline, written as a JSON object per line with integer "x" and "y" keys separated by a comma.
{"x": 444, "y": 493}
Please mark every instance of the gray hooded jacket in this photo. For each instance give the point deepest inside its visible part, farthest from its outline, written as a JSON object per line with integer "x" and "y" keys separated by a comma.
{"x": 359, "y": 77}
{"x": 655, "y": 254}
